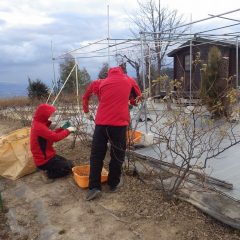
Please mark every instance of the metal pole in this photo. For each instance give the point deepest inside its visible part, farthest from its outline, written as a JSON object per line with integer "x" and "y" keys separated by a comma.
{"x": 144, "y": 84}
{"x": 237, "y": 63}
{"x": 149, "y": 71}
{"x": 108, "y": 36}
{"x": 54, "y": 77}
{"x": 159, "y": 16}
{"x": 190, "y": 74}
{"x": 77, "y": 86}
{"x": 142, "y": 60}
{"x": 63, "y": 85}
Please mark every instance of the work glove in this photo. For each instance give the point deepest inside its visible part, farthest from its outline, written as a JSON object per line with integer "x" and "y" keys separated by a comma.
{"x": 66, "y": 125}
{"x": 71, "y": 129}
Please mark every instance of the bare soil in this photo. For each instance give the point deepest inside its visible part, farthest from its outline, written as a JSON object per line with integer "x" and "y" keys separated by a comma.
{"x": 34, "y": 210}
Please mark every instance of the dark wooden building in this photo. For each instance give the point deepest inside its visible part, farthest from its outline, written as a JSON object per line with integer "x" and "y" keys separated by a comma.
{"x": 200, "y": 49}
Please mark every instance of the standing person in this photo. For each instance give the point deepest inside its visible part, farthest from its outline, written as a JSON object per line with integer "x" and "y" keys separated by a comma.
{"x": 41, "y": 143}
{"x": 93, "y": 89}
{"x": 111, "y": 121}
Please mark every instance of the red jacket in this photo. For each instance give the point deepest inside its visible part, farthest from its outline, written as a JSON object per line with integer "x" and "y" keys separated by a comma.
{"x": 113, "y": 93}
{"x": 42, "y": 138}
{"x": 93, "y": 88}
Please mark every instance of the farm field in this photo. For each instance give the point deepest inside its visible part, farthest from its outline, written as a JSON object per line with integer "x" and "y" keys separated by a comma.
{"x": 33, "y": 210}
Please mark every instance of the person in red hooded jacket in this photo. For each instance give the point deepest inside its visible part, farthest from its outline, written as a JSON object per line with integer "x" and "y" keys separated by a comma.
{"x": 112, "y": 119}
{"x": 93, "y": 89}
{"x": 41, "y": 144}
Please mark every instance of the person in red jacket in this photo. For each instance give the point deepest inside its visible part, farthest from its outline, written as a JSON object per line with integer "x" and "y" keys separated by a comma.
{"x": 112, "y": 119}
{"x": 41, "y": 144}
{"x": 93, "y": 89}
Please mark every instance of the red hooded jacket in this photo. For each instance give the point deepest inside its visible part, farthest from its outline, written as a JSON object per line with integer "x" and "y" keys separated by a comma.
{"x": 93, "y": 88}
{"x": 42, "y": 138}
{"x": 113, "y": 93}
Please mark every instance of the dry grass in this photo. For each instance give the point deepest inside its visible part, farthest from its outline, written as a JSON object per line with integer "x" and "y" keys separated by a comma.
{"x": 22, "y": 108}
{"x": 25, "y": 101}
{"x": 14, "y": 102}
{"x": 66, "y": 98}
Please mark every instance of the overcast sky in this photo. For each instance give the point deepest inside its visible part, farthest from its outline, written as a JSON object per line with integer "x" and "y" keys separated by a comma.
{"x": 27, "y": 28}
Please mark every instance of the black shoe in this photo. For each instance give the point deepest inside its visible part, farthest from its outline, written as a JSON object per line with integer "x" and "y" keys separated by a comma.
{"x": 93, "y": 193}
{"x": 114, "y": 189}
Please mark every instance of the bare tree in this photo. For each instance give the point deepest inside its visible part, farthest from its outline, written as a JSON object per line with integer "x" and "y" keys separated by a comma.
{"x": 162, "y": 24}
{"x": 186, "y": 138}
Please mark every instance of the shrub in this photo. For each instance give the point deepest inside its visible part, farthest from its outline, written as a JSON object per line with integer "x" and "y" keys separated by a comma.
{"x": 37, "y": 89}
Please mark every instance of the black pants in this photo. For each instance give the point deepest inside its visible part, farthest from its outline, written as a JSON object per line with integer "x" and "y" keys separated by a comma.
{"x": 57, "y": 167}
{"x": 117, "y": 138}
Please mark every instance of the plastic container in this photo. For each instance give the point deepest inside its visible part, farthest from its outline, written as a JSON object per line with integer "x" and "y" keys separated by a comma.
{"x": 133, "y": 136}
{"x": 81, "y": 175}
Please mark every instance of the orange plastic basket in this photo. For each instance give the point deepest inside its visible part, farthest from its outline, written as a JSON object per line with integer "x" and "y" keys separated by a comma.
{"x": 133, "y": 136}
{"x": 81, "y": 175}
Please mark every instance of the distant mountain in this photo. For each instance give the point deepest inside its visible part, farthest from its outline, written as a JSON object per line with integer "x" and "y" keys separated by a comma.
{"x": 12, "y": 90}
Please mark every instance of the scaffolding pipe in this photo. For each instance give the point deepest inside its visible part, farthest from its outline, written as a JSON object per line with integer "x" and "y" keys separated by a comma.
{"x": 216, "y": 41}
{"x": 54, "y": 78}
{"x": 98, "y": 50}
{"x": 190, "y": 63}
{"x": 231, "y": 19}
{"x": 190, "y": 73}
{"x": 237, "y": 63}
{"x": 144, "y": 84}
{"x": 54, "y": 75}
{"x": 142, "y": 60}
{"x": 113, "y": 45}
{"x": 197, "y": 21}
{"x": 63, "y": 85}
{"x": 221, "y": 35}
{"x": 149, "y": 71}
{"x": 174, "y": 34}
{"x": 77, "y": 85}
{"x": 74, "y": 50}
{"x": 108, "y": 36}
{"x": 219, "y": 28}
{"x": 95, "y": 56}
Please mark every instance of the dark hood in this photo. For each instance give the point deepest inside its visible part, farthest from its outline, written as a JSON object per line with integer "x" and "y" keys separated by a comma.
{"x": 43, "y": 112}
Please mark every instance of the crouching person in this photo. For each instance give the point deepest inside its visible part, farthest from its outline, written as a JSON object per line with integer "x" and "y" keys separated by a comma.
{"x": 41, "y": 143}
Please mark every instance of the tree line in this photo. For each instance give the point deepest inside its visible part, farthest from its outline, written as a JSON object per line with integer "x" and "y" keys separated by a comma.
{"x": 37, "y": 89}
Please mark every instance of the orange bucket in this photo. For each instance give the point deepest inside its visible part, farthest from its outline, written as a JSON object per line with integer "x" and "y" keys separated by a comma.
{"x": 81, "y": 175}
{"x": 133, "y": 136}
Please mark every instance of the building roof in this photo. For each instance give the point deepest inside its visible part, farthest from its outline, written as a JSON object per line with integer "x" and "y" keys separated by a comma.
{"x": 199, "y": 40}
